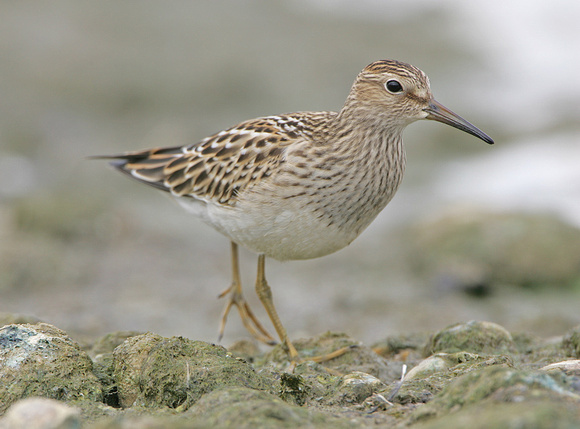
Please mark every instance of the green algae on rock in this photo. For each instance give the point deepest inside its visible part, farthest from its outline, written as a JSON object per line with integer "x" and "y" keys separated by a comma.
{"x": 310, "y": 384}
{"x": 102, "y": 354}
{"x": 571, "y": 342}
{"x": 357, "y": 358}
{"x": 41, "y": 360}
{"x": 154, "y": 371}
{"x": 433, "y": 374}
{"x": 491, "y": 414}
{"x": 241, "y": 407}
{"x": 178, "y": 383}
{"x": 473, "y": 336}
{"x": 497, "y": 384}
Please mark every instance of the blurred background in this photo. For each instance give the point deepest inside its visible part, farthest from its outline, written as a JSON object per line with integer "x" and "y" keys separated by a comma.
{"x": 475, "y": 232}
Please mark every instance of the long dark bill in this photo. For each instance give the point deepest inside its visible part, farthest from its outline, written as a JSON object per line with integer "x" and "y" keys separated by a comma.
{"x": 440, "y": 113}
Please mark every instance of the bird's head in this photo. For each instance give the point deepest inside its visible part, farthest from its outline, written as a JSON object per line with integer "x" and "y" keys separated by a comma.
{"x": 397, "y": 94}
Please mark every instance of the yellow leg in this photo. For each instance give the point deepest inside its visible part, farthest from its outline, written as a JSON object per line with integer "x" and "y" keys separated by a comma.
{"x": 252, "y": 324}
{"x": 250, "y": 321}
{"x": 265, "y": 294}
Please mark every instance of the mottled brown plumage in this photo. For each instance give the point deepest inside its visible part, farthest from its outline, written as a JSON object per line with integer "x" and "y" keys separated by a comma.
{"x": 221, "y": 166}
{"x": 299, "y": 185}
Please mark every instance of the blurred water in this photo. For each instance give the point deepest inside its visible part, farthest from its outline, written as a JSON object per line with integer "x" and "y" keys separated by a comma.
{"x": 88, "y": 78}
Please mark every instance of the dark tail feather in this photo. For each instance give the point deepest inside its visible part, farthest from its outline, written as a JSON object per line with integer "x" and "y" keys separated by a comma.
{"x": 120, "y": 162}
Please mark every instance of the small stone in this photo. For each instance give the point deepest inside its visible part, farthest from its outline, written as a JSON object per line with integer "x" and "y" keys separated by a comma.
{"x": 431, "y": 365}
{"x": 569, "y": 367}
{"x": 41, "y": 413}
{"x": 356, "y": 387}
{"x": 457, "y": 363}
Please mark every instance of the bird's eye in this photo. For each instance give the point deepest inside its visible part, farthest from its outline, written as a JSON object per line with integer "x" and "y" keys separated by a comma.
{"x": 393, "y": 86}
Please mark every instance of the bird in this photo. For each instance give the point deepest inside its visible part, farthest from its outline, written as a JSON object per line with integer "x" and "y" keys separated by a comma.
{"x": 299, "y": 185}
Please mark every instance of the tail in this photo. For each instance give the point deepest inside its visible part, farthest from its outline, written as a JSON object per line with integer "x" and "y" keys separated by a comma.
{"x": 147, "y": 166}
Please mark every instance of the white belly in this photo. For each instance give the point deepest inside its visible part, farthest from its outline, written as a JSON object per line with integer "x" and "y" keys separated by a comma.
{"x": 279, "y": 233}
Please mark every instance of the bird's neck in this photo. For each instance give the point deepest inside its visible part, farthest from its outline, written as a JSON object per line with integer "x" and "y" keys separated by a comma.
{"x": 363, "y": 135}
{"x": 370, "y": 157}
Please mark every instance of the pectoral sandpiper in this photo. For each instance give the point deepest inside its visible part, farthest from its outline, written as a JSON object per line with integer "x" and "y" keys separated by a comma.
{"x": 299, "y": 185}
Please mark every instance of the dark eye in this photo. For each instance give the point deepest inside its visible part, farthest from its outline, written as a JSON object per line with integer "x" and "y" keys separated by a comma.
{"x": 393, "y": 86}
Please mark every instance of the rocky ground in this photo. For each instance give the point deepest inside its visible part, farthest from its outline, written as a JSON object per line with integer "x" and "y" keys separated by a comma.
{"x": 474, "y": 374}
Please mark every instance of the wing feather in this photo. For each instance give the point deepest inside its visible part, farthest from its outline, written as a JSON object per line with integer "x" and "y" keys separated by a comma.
{"x": 219, "y": 167}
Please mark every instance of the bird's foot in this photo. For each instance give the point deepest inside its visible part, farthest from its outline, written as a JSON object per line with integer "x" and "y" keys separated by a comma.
{"x": 251, "y": 323}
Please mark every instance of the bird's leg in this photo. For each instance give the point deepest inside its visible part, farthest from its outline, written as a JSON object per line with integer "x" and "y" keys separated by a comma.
{"x": 252, "y": 324}
{"x": 265, "y": 294}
